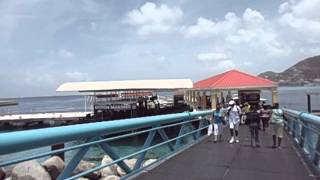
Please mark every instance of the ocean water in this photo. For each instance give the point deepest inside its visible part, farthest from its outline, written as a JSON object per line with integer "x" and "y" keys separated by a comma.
{"x": 45, "y": 104}
{"x": 290, "y": 97}
{"x": 296, "y": 97}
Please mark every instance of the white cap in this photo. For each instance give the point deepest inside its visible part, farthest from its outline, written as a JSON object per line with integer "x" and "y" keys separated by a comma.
{"x": 232, "y": 102}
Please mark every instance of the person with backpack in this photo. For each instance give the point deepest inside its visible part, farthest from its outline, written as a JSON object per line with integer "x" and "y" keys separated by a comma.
{"x": 218, "y": 121}
{"x": 253, "y": 120}
{"x": 234, "y": 112}
{"x": 277, "y": 122}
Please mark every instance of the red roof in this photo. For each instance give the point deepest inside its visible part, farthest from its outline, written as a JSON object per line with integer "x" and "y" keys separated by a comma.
{"x": 234, "y": 79}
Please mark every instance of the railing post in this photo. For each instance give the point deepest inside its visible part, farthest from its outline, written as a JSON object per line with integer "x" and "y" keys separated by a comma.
{"x": 147, "y": 143}
{"x": 316, "y": 155}
{"x": 303, "y": 130}
{"x": 114, "y": 156}
{"x": 164, "y": 137}
{"x": 178, "y": 141}
{"x": 303, "y": 134}
{"x": 201, "y": 124}
{"x": 67, "y": 171}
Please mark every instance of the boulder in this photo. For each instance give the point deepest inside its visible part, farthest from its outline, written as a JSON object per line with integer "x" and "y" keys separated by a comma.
{"x": 54, "y": 166}
{"x": 30, "y": 170}
{"x": 82, "y": 178}
{"x": 110, "y": 170}
{"x": 84, "y": 166}
{"x": 2, "y": 174}
{"x": 130, "y": 163}
{"x": 8, "y": 170}
{"x": 149, "y": 161}
{"x": 8, "y": 178}
{"x": 112, "y": 177}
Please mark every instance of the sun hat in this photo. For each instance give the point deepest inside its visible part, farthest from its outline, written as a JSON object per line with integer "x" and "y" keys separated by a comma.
{"x": 232, "y": 102}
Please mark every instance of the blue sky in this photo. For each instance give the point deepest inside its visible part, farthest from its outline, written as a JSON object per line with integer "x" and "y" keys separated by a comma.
{"x": 44, "y": 43}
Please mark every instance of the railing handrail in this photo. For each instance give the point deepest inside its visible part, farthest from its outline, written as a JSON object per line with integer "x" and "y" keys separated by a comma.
{"x": 24, "y": 140}
{"x": 304, "y": 116}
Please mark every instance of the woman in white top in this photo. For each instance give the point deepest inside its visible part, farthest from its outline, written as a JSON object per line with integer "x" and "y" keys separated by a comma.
{"x": 234, "y": 112}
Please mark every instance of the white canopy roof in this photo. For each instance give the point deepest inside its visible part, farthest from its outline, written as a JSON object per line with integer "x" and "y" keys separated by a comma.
{"x": 164, "y": 84}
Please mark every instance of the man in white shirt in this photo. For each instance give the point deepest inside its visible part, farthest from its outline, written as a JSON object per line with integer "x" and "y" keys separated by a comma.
{"x": 233, "y": 113}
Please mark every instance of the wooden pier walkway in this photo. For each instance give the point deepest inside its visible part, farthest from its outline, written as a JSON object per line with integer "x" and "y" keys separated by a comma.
{"x": 212, "y": 161}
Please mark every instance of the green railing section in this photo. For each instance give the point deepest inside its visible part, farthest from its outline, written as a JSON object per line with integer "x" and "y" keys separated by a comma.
{"x": 305, "y": 129}
{"x": 100, "y": 134}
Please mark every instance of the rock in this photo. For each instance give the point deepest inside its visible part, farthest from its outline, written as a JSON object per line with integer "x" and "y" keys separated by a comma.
{"x": 82, "y": 178}
{"x": 112, "y": 177}
{"x": 54, "y": 166}
{"x": 8, "y": 170}
{"x": 110, "y": 170}
{"x": 30, "y": 170}
{"x": 2, "y": 174}
{"x": 84, "y": 166}
{"x": 130, "y": 163}
{"x": 149, "y": 161}
{"x": 8, "y": 178}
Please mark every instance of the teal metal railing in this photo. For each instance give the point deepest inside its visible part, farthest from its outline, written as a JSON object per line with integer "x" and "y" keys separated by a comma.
{"x": 95, "y": 134}
{"x": 305, "y": 130}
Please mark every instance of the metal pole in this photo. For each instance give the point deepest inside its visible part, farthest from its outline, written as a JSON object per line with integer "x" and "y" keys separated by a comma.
{"x": 85, "y": 103}
{"x": 309, "y": 103}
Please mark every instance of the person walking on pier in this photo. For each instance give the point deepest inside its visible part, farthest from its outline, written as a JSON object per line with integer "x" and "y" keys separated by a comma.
{"x": 245, "y": 110}
{"x": 277, "y": 122}
{"x": 234, "y": 112}
{"x": 218, "y": 121}
{"x": 265, "y": 116}
{"x": 253, "y": 120}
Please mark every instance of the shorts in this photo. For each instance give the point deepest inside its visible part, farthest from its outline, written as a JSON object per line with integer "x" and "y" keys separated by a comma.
{"x": 217, "y": 129}
{"x": 277, "y": 129}
{"x": 234, "y": 126}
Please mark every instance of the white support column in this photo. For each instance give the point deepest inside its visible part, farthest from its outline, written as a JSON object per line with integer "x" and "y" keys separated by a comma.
{"x": 213, "y": 99}
{"x": 274, "y": 92}
{"x": 198, "y": 99}
{"x": 193, "y": 97}
{"x": 204, "y": 100}
{"x": 218, "y": 96}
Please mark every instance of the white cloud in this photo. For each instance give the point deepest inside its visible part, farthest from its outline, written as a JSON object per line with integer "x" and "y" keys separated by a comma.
{"x": 205, "y": 27}
{"x": 65, "y": 53}
{"x": 303, "y": 17}
{"x": 223, "y": 66}
{"x": 161, "y": 59}
{"x": 150, "y": 18}
{"x": 30, "y": 78}
{"x": 251, "y": 30}
{"x": 211, "y": 57}
{"x": 284, "y": 7}
{"x": 77, "y": 76}
{"x": 252, "y": 17}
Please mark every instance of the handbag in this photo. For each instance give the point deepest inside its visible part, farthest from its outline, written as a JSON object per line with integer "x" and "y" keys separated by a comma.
{"x": 210, "y": 130}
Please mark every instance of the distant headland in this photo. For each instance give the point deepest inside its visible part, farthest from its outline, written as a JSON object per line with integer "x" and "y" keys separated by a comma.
{"x": 304, "y": 73}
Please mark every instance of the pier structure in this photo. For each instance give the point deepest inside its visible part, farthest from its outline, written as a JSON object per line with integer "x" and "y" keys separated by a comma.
{"x": 8, "y": 103}
{"x": 128, "y": 98}
{"x": 309, "y": 102}
{"x": 54, "y": 118}
{"x": 206, "y": 93}
{"x": 191, "y": 154}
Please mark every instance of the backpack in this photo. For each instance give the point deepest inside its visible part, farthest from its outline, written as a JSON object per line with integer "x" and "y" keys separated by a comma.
{"x": 238, "y": 109}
